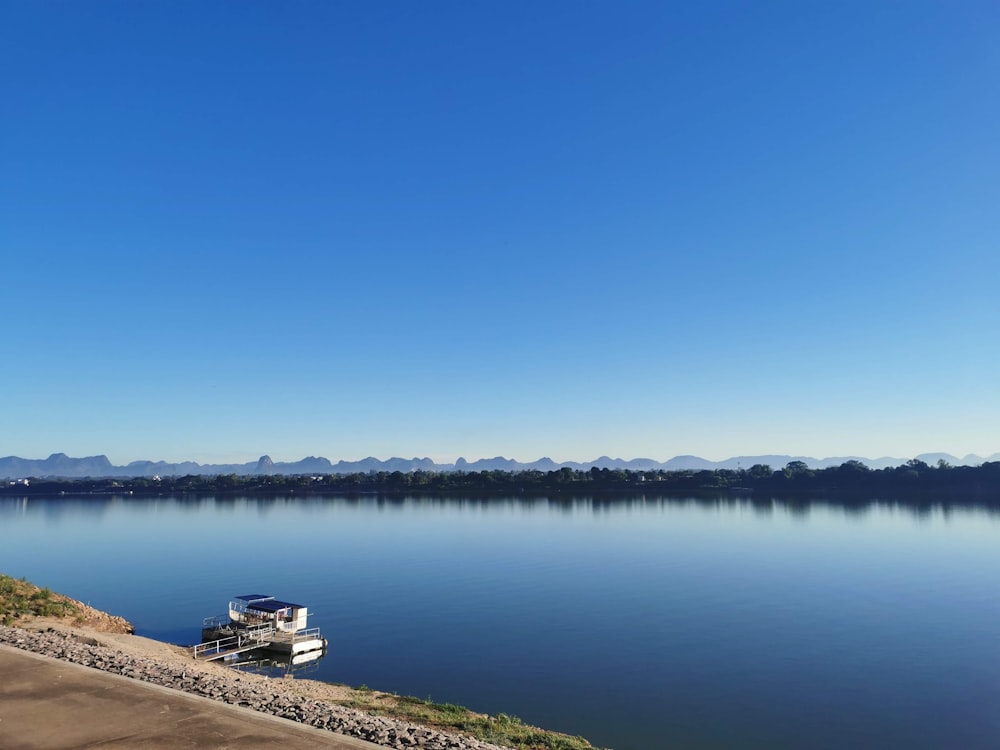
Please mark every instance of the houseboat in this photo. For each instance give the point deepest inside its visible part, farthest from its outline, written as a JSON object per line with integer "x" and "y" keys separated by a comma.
{"x": 273, "y": 624}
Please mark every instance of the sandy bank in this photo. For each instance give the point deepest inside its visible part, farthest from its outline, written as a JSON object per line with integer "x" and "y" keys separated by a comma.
{"x": 307, "y": 701}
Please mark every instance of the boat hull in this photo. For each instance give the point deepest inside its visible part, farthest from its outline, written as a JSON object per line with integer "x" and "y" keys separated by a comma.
{"x": 297, "y": 647}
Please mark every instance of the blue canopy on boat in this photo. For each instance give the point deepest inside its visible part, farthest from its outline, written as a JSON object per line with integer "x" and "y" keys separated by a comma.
{"x": 265, "y": 603}
{"x": 273, "y": 605}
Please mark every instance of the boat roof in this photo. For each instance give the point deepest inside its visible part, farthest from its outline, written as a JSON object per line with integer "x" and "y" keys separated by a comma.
{"x": 266, "y": 603}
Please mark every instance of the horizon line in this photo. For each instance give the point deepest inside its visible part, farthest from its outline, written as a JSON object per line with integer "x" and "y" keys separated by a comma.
{"x": 454, "y": 461}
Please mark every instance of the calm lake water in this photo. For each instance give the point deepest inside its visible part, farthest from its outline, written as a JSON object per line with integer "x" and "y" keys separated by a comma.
{"x": 646, "y": 623}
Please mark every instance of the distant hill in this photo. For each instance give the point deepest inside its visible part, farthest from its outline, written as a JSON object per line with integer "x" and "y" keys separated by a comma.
{"x": 59, "y": 465}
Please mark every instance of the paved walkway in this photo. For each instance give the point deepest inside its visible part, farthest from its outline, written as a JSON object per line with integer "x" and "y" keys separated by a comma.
{"x": 49, "y": 704}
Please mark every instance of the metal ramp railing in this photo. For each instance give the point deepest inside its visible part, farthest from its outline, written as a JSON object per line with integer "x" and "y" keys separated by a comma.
{"x": 246, "y": 639}
{"x": 297, "y": 636}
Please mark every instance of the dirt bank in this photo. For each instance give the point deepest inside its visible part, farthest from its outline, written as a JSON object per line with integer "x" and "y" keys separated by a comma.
{"x": 161, "y": 664}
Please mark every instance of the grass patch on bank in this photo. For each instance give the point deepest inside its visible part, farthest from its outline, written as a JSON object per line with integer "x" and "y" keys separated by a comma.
{"x": 18, "y": 598}
{"x": 501, "y": 729}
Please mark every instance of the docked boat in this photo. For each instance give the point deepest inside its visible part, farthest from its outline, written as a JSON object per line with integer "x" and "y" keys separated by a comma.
{"x": 259, "y": 621}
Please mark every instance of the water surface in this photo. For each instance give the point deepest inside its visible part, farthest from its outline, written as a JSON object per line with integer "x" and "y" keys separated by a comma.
{"x": 643, "y": 623}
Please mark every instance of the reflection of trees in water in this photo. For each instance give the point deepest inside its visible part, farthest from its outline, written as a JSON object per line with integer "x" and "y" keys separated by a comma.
{"x": 794, "y": 486}
{"x": 58, "y": 507}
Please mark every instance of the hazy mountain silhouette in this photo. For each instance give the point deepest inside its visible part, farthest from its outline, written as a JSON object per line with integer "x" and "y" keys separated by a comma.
{"x": 59, "y": 465}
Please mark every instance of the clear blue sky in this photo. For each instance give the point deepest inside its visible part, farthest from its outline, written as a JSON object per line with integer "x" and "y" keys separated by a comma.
{"x": 450, "y": 229}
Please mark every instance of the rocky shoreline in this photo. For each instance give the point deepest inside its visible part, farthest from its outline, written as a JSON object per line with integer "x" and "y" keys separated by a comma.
{"x": 277, "y": 697}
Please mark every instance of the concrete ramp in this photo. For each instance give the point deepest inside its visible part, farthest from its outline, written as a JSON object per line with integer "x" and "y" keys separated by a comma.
{"x": 48, "y": 704}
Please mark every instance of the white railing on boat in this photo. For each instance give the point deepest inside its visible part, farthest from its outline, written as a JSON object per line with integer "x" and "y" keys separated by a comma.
{"x": 215, "y": 621}
{"x": 305, "y": 635}
{"x": 244, "y": 639}
{"x": 287, "y": 636}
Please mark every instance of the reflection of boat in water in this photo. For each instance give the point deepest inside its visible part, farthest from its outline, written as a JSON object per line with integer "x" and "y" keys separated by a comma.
{"x": 276, "y": 665}
{"x": 258, "y": 622}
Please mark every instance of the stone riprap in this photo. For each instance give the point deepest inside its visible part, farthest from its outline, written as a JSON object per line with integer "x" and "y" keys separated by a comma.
{"x": 266, "y": 695}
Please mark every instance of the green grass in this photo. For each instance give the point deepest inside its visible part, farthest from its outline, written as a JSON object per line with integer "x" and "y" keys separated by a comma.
{"x": 501, "y": 729}
{"x": 18, "y": 598}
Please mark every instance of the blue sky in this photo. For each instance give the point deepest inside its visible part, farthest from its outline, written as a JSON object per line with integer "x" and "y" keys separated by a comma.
{"x": 472, "y": 229}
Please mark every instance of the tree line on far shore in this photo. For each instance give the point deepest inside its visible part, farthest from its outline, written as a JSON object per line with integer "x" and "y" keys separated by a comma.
{"x": 852, "y": 478}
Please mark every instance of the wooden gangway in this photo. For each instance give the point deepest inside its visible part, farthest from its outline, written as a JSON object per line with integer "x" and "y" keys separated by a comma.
{"x": 245, "y": 639}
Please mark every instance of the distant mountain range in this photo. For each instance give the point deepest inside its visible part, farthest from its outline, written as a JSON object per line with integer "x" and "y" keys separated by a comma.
{"x": 59, "y": 465}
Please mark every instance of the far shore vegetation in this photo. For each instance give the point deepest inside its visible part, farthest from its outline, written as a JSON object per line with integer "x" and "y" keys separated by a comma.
{"x": 913, "y": 480}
